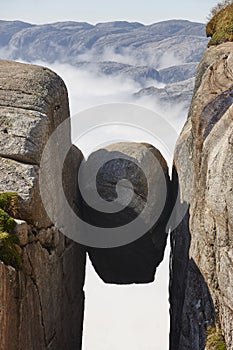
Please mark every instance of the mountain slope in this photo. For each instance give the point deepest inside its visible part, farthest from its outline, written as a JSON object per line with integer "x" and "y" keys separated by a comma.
{"x": 68, "y": 41}
{"x": 150, "y": 55}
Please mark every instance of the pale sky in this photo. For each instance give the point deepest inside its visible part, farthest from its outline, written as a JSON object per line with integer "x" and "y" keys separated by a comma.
{"x": 147, "y": 11}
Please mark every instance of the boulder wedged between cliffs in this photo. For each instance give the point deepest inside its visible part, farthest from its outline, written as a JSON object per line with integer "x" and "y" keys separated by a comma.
{"x": 133, "y": 256}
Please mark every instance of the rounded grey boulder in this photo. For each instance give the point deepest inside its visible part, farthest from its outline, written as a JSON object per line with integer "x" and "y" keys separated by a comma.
{"x": 135, "y": 178}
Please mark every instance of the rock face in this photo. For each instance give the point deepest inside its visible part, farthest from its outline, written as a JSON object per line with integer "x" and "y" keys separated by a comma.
{"x": 202, "y": 256}
{"x": 133, "y": 259}
{"x": 41, "y": 304}
{"x": 172, "y": 94}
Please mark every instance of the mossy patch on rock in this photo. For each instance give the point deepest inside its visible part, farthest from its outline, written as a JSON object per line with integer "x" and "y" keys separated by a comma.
{"x": 9, "y": 252}
{"x": 220, "y": 27}
{"x": 215, "y": 339}
{"x": 9, "y": 242}
{"x": 8, "y": 202}
{"x": 6, "y": 222}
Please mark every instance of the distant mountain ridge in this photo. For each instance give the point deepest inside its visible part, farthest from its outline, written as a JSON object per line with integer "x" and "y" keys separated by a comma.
{"x": 167, "y": 52}
{"x": 65, "y": 41}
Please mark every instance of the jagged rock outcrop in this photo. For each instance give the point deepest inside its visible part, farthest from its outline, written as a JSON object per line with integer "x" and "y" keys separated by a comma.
{"x": 178, "y": 73}
{"x": 133, "y": 259}
{"x": 41, "y": 303}
{"x": 202, "y": 256}
{"x": 172, "y": 94}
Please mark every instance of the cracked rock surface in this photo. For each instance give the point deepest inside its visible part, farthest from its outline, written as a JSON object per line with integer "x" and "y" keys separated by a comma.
{"x": 41, "y": 305}
{"x": 202, "y": 255}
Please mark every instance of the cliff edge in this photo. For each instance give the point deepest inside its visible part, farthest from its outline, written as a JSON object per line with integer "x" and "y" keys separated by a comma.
{"x": 202, "y": 254}
{"x": 41, "y": 271}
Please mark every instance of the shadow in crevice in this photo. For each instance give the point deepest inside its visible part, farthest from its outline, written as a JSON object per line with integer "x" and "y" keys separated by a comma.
{"x": 191, "y": 306}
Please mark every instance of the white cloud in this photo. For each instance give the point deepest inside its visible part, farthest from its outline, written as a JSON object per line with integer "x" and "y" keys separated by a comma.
{"x": 89, "y": 88}
{"x": 169, "y": 59}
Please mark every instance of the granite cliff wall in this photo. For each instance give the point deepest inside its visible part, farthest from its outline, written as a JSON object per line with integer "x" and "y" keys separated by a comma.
{"x": 41, "y": 295}
{"x": 201, "y": 292}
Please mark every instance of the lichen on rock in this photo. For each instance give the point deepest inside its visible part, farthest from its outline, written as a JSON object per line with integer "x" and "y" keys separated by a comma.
{"x": 9, "y": 253}
{"x": 215, "y": 339}
{"x": 6, "y": 222}
{"x": 9, "y": 242}
{"x": 8, "y": 202}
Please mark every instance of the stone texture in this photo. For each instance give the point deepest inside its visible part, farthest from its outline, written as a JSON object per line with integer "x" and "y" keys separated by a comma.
{"x": 21, "y": 230}
{"x": 24, "y": 180}
{"x": 33, "y": 103}
{"x": 41, "y": 305}
{"x": 136, "y": 261}
{"x": 204, "y": 163}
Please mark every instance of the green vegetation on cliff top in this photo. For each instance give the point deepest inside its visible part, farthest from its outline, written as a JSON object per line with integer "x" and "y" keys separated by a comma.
{"x": 220, "y": 26}
{"x": 9, "y": 242}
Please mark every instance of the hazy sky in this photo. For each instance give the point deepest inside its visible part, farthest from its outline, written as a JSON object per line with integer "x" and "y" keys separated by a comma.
{"x": 147, "y": 11}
